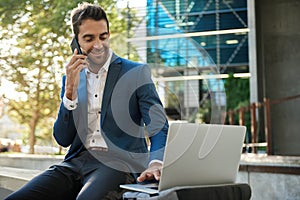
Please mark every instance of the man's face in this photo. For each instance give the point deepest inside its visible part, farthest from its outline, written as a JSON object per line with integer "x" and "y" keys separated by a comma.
{"x": 93, "y": 39}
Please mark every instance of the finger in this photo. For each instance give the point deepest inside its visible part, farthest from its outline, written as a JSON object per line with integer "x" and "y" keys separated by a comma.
{"x": 145, "y": 176}
{"x": 80, "y": 64}
{"x": 142, "y": 177}
{"x": 157, "y": 174}
{"x": 76, "y": 56}
{"x": 77, "y": 66}
{"x": 75, "y": 51}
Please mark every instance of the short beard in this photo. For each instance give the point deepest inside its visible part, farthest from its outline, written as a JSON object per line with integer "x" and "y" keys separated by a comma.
{"x": 95, "y": 67}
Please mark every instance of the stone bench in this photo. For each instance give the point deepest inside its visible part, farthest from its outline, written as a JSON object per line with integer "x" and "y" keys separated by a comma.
{"x": 18, "y": 169}
{"x": 270, "y": 177}
{"x": 29, "y": 161}
{"x": 14, "y": 178}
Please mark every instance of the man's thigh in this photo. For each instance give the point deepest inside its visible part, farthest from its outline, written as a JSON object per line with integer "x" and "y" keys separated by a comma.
{"x": 56, "y": 183}
{"x": 104, "y": 182}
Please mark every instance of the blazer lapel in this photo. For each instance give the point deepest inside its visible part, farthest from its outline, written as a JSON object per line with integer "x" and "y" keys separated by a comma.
{"x": 80, "y": 114}
{"x": 82, "y": 92}
{"x": 111, "y": 80}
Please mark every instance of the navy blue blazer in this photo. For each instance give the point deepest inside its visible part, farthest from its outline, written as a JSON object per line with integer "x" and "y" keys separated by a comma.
{"x": 129, "y": 101}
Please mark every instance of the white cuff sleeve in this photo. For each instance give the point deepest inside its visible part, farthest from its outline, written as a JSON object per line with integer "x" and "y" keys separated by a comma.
{"x": 69, "y": 104}
{"x": 152, "y": 161}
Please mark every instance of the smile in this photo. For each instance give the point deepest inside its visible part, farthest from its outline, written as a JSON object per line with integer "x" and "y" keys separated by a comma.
{"x": 97, "y": 53}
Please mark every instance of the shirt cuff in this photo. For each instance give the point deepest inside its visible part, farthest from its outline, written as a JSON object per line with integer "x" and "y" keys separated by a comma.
{"x": 69, "y": 104}
{"x": 155, "y": 160}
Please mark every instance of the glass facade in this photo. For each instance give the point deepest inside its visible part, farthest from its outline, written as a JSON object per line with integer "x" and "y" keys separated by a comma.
{"x": 205, "y": 17}
{"x": 191, "y": 45}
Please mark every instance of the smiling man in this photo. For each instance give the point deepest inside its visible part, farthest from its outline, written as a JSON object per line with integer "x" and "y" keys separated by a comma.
{"x": 106, "y": 101}
{"x": 95, "y": 43}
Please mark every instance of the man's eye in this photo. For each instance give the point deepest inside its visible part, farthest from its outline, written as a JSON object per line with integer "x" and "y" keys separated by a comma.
{"x": 103, "y": 38}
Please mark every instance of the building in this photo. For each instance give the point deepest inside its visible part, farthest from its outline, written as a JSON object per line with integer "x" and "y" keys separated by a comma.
{"x": 192, "y": 46}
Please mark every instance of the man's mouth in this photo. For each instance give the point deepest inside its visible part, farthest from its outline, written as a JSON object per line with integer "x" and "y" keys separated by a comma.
{"x": 97, "y": 52}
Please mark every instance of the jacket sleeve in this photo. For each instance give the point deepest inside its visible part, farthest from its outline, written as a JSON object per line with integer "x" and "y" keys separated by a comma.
{"x": 153, "y": 114}
{"x": 64, "y": 130}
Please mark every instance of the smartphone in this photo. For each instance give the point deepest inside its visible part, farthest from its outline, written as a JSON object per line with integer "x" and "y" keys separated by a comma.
{"x": 75, "y": 45}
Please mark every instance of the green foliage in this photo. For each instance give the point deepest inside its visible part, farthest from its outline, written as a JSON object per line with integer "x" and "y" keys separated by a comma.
{"x": 36, "y": 35}
{"x": 237, "y": 92}
{"x": 204, "y": 113}
{"x": 237, "y": 96}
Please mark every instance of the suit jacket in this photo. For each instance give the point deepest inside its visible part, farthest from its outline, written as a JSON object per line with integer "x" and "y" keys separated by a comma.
{"x": 129, "y": 101}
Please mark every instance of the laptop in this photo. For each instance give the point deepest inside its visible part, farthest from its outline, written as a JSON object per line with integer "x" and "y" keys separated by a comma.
{"x": 197, "y": 155}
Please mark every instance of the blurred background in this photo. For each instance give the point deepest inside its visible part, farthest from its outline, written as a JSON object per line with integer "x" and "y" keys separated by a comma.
{"x": 213, "y": 61}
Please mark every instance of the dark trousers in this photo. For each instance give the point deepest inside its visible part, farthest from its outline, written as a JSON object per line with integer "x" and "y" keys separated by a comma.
{"x": 81, "y": 178}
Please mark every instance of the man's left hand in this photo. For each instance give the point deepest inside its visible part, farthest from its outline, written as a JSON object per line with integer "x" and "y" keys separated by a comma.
{"x": 153, "y": 172}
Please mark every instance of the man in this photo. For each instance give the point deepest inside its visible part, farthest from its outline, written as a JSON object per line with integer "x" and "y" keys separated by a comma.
{"x": 106, "y": 100}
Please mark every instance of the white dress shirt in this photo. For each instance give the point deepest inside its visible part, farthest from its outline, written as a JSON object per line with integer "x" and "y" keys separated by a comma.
{"x": 95, "y": 88}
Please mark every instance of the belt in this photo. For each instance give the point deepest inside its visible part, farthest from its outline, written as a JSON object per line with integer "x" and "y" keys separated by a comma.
{"x": 98, "y": 149}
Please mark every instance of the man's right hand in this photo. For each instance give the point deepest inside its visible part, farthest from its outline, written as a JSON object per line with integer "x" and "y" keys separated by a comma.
{"x": 73, "y": 69}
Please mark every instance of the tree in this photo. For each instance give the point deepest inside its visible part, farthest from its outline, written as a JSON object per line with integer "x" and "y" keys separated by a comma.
{"x": 237, "y": 96}
{"x": 237, "y": 92}
{"x": 35, "y": 36}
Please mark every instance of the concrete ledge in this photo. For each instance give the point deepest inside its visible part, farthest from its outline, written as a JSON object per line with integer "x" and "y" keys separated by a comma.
{"x": 18, "y": 169}
{"x": 4, "y": 193}
{"x": 270, "y": 160}
{"x": 14, "y": 178}
{"x": 271, "y": 177}
{"x": 29, "y": 161}
{"x": 270, "y": 164}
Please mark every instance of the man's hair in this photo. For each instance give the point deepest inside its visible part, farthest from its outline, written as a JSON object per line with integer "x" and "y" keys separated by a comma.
{"x": 87, "y": 11}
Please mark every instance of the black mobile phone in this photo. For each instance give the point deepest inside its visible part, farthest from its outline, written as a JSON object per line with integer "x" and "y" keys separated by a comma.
{"x": 75, "y": 45}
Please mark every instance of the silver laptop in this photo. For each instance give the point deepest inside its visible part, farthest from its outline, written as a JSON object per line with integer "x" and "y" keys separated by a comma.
{"x": 198, "y": 154}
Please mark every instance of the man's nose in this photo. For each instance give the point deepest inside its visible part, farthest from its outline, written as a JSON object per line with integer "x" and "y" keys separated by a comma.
{"x": 98, "y": 44}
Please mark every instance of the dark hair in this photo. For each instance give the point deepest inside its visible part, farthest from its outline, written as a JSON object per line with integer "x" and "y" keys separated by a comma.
{"x": 87, "y": 11}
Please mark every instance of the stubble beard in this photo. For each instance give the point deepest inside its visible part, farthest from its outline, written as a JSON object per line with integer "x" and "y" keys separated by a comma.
{"x": 95, "y": 64}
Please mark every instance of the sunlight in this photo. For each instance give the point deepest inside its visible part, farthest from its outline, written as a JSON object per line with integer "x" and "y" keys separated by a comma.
{"x": 132, "y": 3}
{"x": 7, "y": 89}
